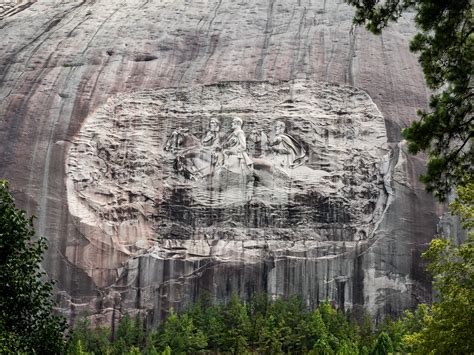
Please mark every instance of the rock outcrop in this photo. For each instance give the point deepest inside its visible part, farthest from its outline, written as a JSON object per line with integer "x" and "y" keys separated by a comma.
{"x": 119, "y": 133}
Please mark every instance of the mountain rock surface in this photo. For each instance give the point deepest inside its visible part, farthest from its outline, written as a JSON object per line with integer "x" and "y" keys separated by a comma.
{"x": 119, "y": 133}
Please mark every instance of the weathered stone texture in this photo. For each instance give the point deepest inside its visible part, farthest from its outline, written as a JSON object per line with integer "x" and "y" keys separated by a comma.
{"x": 65, "y": 65}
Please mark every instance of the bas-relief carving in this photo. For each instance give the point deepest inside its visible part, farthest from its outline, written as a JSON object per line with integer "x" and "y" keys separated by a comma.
{"x": 215, "y": 155}
{"x": 284, "y": 161}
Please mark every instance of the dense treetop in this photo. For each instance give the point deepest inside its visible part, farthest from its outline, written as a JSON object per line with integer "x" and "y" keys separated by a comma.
{"x": 27, "y": 320}
{"x": 445, "y": 45}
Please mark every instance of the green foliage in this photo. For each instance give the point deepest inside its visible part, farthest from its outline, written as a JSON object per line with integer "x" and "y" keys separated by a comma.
{"x": 383, "y": 345}
{"x": 463, "y": 206}
{"x": 86, "y": 340}
{"x": 10, "y": 342}
{"x": 130, "y": 338}
{"x": 27, "y": 320}
{"x": 275, "y": 327}
{"x": 445, "y": 44}
{"x": 322, "y": 347}
{"x": 134, "y": 351}
{"x": 77, "y": 348}
{"x": 409, "y": 323}
{"x": 444, "y": 328}
{"x": 237, "y": 325}
{"x": 131, "y": 332}
{"x": 259, "y": 326}
{"x": 181, "y": 335}
{"x": 447, "y": 328}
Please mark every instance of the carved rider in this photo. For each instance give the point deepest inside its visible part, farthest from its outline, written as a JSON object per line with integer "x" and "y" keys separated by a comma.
{"x": 257, "y": 143}
{"x": 212, "y": 141}
{"x": 236, "y": 144}
{"x": 212, "y": 136}
{"x": 289, "y": 151}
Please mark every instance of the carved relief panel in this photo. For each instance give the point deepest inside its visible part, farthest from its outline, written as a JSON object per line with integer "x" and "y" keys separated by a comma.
{"x": 253, "y": 161}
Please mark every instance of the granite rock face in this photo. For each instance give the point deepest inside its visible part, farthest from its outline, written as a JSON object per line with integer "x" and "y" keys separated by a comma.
{"x": 119, "y": 133}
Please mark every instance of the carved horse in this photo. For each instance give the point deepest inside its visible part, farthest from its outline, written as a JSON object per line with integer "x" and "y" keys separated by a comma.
{"x": 180, "y": 139}
{"x": 192, "y": 160}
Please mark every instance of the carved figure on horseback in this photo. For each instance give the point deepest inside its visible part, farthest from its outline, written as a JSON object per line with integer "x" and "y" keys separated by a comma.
{"x": 196, "y": 158}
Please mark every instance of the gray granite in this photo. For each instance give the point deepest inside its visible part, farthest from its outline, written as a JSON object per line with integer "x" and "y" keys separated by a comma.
{"x": 91, "y": 91}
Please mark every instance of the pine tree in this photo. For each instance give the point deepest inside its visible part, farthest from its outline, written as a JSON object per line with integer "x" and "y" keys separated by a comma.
{"x": 383, "y": 345}
{"x": 180, "y": 334}
{"x": 445, "y": 44}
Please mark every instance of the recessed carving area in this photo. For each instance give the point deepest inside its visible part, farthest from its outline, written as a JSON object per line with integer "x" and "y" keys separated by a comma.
{"x": 237, "y": 160}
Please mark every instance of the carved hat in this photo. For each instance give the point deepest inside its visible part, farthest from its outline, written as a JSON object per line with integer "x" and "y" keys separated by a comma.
{"x": 239, "y": 120}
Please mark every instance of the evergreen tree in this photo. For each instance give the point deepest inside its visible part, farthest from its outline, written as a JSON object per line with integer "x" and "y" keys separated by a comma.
{"x": 77, "y": 348}
{"x": 131, "y": 332}
{"x": 318, "y": 330}
{"x": 215, "y": 327}
{"x": 383, "y": 345}
{"x": 91, "y": 340}
{"x": 445, "y": 44}
{"x": 180, "y": 334}
{"x": 322, "y": 347}
{"x": 27, "y": 317}
{"x": 237, "y": 323}
{"x": 270, "y": 327}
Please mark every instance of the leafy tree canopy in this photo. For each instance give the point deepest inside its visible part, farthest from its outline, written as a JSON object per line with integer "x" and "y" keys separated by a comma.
{"x": 259, "y": 326}
{"x": 27, "y": 320}
{"x": 383, "y": 345}
{"x": 445, "y": 44}
{"x": 448, "y": 328}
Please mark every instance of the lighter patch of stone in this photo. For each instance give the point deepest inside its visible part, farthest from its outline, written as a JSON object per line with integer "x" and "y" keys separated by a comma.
{"x": 377, "y": 283}
{"x": 126, "y": 195}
